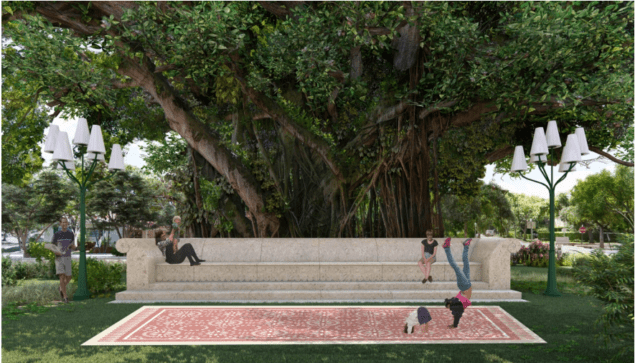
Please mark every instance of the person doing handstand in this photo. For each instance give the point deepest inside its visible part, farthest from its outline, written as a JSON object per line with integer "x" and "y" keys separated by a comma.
{"x": 461, "y": 301}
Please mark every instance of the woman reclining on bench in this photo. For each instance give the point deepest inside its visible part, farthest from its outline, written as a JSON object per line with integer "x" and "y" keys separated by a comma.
{"x": 172, "y": 254}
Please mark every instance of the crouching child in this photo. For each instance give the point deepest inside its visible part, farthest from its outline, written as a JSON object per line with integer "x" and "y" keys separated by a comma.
{"x": 421, "y": 316}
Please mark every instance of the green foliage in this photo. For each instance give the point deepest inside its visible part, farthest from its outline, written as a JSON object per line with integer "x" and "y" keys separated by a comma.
{"x": 114, "y": 252}
{"x": 524, "y": 63}
{"x": 8, "y": 273}
{"x": 125, "y": 200}
{"x": 101, "y": 276}
{"x": 525, "y": 208}
{"x": 18, "y": 270}
{"x": 41, "y": 201}
{"x": 611, "y": 281}
{"x": 574, "y": 259}
{"x": 606, "y": 198}
{"x": 13, "y": 312}
{"x": 37, "y": 251}
{"x": 33, "y": 292}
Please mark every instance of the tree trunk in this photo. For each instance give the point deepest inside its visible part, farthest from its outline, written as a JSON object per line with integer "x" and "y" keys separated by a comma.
{"x": 204, "y": 141}
{"x": 23, "y": 236}
{"x": 601, "y": 237}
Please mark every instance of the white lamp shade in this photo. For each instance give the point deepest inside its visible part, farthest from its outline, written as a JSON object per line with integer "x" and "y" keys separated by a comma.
{"x": 535, "y": 158}
{"x": 91, "y": 156}
{"x": 69, "y": 165}
{"x": 62, "y": 148}
{"x": 519, "y": 163}
{"x": 96, "y": 143}
{"x": 571, "y": 151}
{"x": 51, "y": 139}
{"x": 116, "y": 158}
{"x": 584, "y": 147}
{"x": 564, "y": 167}
{"x": 539, "y": 145}
{"x": 553, "y": 138}
{"x": 81, "y": 134}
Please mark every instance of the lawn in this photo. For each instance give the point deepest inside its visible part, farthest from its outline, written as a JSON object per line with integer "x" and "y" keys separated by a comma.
{"x": 55, "y": 334}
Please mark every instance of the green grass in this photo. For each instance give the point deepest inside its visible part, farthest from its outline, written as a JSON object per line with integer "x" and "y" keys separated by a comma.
{"x": 566, "y": 323}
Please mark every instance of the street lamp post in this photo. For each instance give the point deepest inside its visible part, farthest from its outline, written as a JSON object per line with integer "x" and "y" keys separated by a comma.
{"x": 540, "y": 152}
{"x": 58, "y": 144}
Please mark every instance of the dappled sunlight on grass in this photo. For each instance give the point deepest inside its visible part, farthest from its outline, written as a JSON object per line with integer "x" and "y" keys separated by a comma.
{"x": 566, "y": 323}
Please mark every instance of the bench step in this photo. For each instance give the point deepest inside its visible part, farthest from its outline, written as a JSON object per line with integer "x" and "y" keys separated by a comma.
{"x": 132, "y": 296}
{"x": 307, "y": 271}
{"x": 321, "y": 286}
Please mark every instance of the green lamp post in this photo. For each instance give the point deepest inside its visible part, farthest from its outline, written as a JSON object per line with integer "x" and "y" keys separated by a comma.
{"x": 58, "y": 144}
{"x": 541, "y": 151}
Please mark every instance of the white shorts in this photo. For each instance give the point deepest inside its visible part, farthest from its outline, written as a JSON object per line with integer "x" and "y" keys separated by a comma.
{"x": 412, "y": 321}
{"x": 63, "y": 265}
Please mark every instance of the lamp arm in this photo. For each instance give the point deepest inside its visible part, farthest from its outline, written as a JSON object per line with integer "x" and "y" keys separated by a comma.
{"x": 69, "y": 173}
{"x": 565, "y": 174}
{"x": 535, "y": 181}
{"x": 544, "y": 173}
{"x": 93, "y": 165}
{"x": 102, "y": 179}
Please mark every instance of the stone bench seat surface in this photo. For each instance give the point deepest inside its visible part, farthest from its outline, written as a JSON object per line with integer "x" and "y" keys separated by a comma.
{"x": 316, "y": 249}
{"x": 319, "y": 259}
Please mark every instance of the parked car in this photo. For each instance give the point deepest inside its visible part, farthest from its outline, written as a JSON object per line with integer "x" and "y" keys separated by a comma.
{"x": 490, "y": 232}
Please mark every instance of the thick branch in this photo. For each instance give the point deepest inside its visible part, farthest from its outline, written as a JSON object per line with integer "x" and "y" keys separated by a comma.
{"x": 299, "y": 132}
{"x": 599, "y": 151}
{"x": 203, "y": 140}
{"x": 280, "y": 11}
{"x": 499, "y": 154}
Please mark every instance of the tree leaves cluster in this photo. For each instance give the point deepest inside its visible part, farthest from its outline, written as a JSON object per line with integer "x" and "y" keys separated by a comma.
{"x": 313, "y": 112}
{"x": 39, "y": 202}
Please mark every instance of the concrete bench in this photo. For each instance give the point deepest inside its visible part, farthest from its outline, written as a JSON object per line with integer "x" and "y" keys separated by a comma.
{"x": 562, "y": 240}
{"x": 278, "y": 269}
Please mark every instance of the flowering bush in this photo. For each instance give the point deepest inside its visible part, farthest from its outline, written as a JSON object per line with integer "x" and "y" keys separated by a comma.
{"x": 536, "y": 255}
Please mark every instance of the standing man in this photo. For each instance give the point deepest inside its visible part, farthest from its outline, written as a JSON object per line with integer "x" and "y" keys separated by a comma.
{"x": 64, "y": 240}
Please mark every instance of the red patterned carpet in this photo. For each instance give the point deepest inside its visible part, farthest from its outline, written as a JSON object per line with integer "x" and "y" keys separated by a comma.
{"x": 205, "y": 325}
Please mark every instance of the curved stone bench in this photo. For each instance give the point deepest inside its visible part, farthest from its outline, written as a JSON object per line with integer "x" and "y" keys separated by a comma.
{"x": 277, "y": 269}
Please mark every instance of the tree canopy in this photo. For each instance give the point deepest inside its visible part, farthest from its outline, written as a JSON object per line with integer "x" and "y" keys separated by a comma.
{"x": 40, "y": 201}
{"x": 606, "y": 199}
{"x": 329, "y": 119}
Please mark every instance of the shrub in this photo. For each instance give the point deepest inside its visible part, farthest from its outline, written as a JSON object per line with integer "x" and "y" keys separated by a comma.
{"x": 114, "y": 252}
{"x": 34, "y": 291}
{"x": 573, "y": 258}
{"x": 535, "y": 255}
{"x": 37, "y": 251}
{"x": 611, "y": 281}
{"x": 8, "y": 273}
{"x": 19, "y": 270}
{"x": 101, "y": 276}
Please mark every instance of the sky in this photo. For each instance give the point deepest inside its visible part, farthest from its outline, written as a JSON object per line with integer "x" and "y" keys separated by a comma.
{"x": 135, "y": 157}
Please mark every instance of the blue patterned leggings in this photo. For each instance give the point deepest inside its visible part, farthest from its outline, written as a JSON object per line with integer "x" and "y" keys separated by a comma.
{"x": 462, "y": 277}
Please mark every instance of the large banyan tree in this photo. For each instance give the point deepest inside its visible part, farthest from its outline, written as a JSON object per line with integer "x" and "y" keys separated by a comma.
{"x": 332, "y": 118}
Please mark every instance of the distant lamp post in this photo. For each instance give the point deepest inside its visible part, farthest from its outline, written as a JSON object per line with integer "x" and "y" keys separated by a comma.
{"x": 541, "y": 151}
{"x": 58, "y": 144}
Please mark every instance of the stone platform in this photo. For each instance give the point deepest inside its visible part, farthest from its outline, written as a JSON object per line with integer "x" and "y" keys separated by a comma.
{"x": 313, "y": 270}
